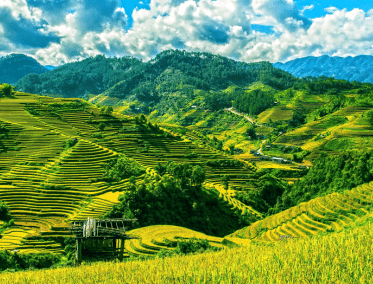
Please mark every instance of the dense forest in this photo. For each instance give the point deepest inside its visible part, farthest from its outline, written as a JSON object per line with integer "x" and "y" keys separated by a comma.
{"x": 173, "y": 196}
{"x": 15, "y": 66}
{"x": 329, "y": 174}
{"x": 203, "y": 71}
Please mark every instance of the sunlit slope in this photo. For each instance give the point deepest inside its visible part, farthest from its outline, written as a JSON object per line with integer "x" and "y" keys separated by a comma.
{"x": 348, "y": 123}
{"x": 46, "y": 184}
{"x": 329, "y": 213}
{"x": 343, "y": 257}
{"x": 150, "y": 240}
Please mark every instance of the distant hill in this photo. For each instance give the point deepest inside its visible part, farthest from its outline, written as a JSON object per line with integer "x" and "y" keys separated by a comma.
{"x": 15, "y": 66}
{"x": 359, "y": 68}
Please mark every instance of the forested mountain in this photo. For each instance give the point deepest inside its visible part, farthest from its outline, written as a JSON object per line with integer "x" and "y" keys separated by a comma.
{"x": 15, "y": 66}
{"x": 89, "y": 76}
{"x": 128, "y": 76}
{"x": 359, "y": 68}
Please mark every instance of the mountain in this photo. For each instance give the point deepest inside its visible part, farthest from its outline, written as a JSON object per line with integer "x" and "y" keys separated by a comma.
{"x": 124, "y": 77}
{"x": 359, "y": 68}
{"x": 76, "y": 79}
{"x": 15, "y": 66}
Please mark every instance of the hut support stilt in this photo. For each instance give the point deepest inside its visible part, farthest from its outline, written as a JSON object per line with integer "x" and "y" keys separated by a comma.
{"x": 121, "y": 249}
{"x": 78, "y": 256}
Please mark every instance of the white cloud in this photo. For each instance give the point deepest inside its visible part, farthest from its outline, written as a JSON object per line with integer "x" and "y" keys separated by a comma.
{"x": 305, "y": 8}
{"x": 343, "y": 32}
{"x": 331, "y": 9}
{"x": 284, "y": 12}
{"x": 91, "y": 27}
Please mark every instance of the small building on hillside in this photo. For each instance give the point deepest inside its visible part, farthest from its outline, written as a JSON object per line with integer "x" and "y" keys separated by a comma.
{"x": 100, "y": 236}
{"x": 281, "y": 160}
{"x": 265, "y": 158}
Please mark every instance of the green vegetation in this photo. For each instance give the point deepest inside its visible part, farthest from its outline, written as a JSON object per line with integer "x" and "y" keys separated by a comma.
{"x": 121, "y": 168}
{"x": 189, "y": 246}
{"x": 16, "y": 262}
{"x": 175, "y": 196}
{"x": 4, "y": 212}
{"x": 207, "y": 156}
{"x": 329, "y": 174}
{"x": 254, "y": 102}
{"x": 6, "y": 90}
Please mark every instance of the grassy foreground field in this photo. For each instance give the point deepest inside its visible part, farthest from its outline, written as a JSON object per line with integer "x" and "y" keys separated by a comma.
{"x": 343, "y": 257}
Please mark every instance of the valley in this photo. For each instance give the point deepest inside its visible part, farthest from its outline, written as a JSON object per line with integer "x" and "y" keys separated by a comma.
{"x": 202, "y": 150}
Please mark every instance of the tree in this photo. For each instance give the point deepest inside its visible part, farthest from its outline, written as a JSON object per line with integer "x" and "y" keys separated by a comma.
{"x": 7, "y": 90}
{"x": 225, "y": 179}
{"x": 4, "y": 212}
{"x": 231, "y": 149}
{"x": 109, "y": 110}
{"x": 160, "y": 169}
{"x": 198, "y": 175}
{"x": 101, "y": 126}
{"x": 106, "y": 110}
{"x": 122, "y": 167}
{"x": 251, "y": 132}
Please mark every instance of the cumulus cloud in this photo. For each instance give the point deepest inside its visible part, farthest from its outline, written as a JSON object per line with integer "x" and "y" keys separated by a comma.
{"x": 54, "y": 11}
{"x": 25, "y": 32}
{"x": 66, "y": 30}
{"x": 284, "y": 12}
{"x": 343, "y": 32}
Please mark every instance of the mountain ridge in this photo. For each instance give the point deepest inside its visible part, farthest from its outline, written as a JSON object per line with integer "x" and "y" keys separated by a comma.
{"x": 358, "y": 68}
{"x": 15, "y": 66}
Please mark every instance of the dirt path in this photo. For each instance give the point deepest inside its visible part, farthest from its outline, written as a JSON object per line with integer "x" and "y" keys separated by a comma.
{"x": 240, "y": 114}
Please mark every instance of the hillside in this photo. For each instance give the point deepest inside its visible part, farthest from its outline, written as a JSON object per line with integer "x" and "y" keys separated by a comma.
{"x": 323, "y": 214}
{"x": 54, "y": 168}
{"x": 343, "y": 257}
{"x": 128, "y": 77}
{"x": 357, "y": 68}
{"x": 15, "y": 66}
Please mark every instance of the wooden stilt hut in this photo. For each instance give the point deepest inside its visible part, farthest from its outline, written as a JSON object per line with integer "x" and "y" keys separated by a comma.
{"x": 97, "y": 235}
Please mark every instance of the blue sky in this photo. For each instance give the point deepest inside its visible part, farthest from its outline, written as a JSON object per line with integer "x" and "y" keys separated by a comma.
{"x": 58, "y": 31}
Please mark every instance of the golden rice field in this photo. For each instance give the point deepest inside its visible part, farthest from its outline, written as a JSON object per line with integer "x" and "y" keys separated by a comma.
{"x": 329, "y": 213}
{"x": 344, "y": 257}
{"x": 150, "y": 240}
{"x": 33, "y": 159}
{"x": 275, "y": 114}
{"x": 330, "y": 127}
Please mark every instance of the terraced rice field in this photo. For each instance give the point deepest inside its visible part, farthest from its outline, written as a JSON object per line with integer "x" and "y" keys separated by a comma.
{"x": 345, "y": 123}
{"x": 150, "y": 240}
{"x": 275, "y": 114}
{"x": 46, "y": 185}
{"x": 331, "y": 212}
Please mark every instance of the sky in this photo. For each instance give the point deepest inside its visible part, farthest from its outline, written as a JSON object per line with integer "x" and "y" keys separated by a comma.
{"x": 55, "y": 32}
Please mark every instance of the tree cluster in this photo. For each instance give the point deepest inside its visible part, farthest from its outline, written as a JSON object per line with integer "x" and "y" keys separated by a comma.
{"x": 121, "y": 168}
{"x": 175, "y": 197}
{"x": 254, "y": 102}
{"x": 329, "y": 174}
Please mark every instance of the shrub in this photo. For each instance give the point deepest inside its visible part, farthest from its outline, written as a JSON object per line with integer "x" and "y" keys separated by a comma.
{"x": 4, "y": 212}
{"x": 7, "y": 90}
{"x": 71, "y": 142}
{"x": 102, "y": 126}
{"x": 23, "y": 261}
